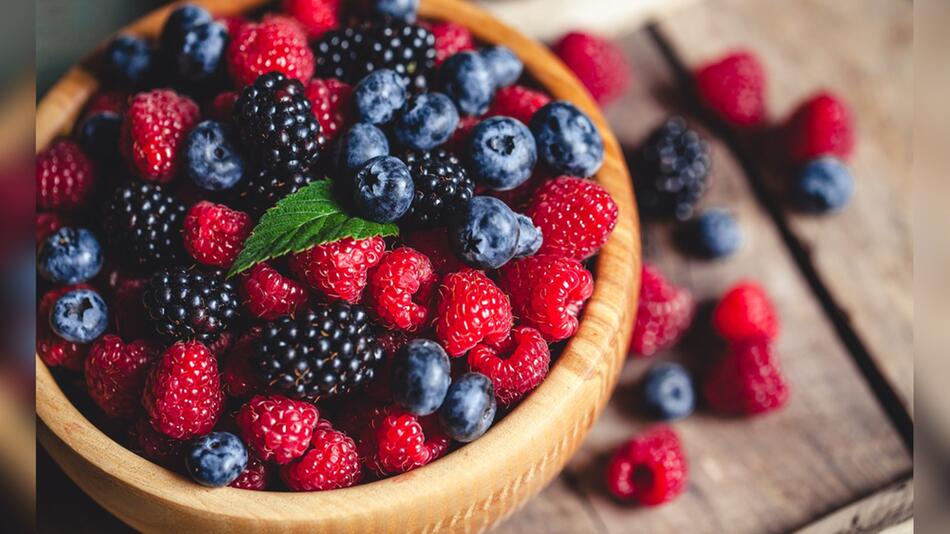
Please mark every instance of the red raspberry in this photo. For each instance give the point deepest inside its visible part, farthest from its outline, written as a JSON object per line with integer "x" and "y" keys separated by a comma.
{"x": 547, "y": 292}
{"x": 332, "y": 462}
{"x": 222, "y": 107}
{"x": 575, "y": 216}
{"x": 275, "y": 44}
{"x": 214, "y": 233}
{"x": 434, "y": 244}
{"x": 269, "y": 294}
{"x": 331, "y": 101}
{"x": 316, "y": 16}
{"x": 338, "y": 270}
{"x": 46, "y": 224}
{"x": 254, "y": 476}
{"x": 664, "y": 313}
{"x": 116, "y": 372}
{"x": 747, "y": 381}
{"x": 450, "y": 38}
{"x": 515, "y": 366}
{"x": 238, "y": 378}
{"x": 183, "y": 395}
{"x": 153, "y": 445}
{"x": 650, "y": 469}
{"x": 65, "y": 177}
{"x": 471, "y": 310}
{"x": 820, "y": 126}
{"x": 458, "y": 143}
{"x": 598, "y": 63}
{"x": 154, "y": 129}
{"x": 113, "y": 101}
{"x": 746, "y": 313}
{"x": 130, "y": 318}
{"x": 517, "y": 101}
{"x": 358, "y": 415}
{"x": 400, "y": 289}
{"x": 233, "y": 23}
{"x": 278, "y": 429}
{"x": 52, "y": 349}
{"x": 733, "y": 87}
{"x": 398, "y": 441}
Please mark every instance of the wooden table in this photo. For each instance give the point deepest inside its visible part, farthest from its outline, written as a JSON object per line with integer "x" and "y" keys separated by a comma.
{"x": 839, "y": 457}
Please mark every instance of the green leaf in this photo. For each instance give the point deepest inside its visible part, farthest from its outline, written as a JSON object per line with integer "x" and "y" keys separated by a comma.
{"x": 299, "y": 221}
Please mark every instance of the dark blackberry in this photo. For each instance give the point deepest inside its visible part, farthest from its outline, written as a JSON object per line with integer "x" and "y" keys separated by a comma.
{"x": 263, "y": 189}
{"x": 277, "y": 124}
{"x": 321, "y": 353}
{"x": 408, "y": 49}
{"x": 336, "y": 53}
{"x": 442, "y": 186}
{"x": 143, "y": 224}
{"x": 673, "y": 173}
{"x": 187, "y": 304}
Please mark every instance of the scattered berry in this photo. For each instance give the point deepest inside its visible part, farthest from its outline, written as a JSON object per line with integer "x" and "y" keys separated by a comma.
{"x": 379, "y": 96}
{"x": 716, "y": 234}
{"x": 484, "y": 233}
{"x": 820, "y": 126}
{"x": 668, "y": 391}
{"x": 664, "y": 313}
{"x": 674, "y": 171}
{"x": 824, "y": 185}
{"x": 276, "y": 428}
{"x": 145, "y": 222}
{"x": 185, "y": 303}
{"x": 212, "y": 160}
{"x": 331, "y": 101}
{"x": 598, "y": 63}
{"x": 338, "y": 270}
{"x": 504, "y": 65}
{"x": 568, "y": 141}
{"x": 79, "y": 316}
{"x": 650, "y": 469}
{"x": 216, "y": 459}
{"x": 747, "y": 381}
{"x": 547, "y": 292}
{"x": 515, "y": 366}
{"x": 383, "y": 189}
{"x": 332, "y": 462}
{"x": 238, "y": 379}
{"x": 65, "y": 177}
{"x": 450, "y": 38}
{"x": 316, "y": 16}
{"x": 183, "y": 395}
{"x": 575, "y": 216}
{"x": 427, "y": 121}
{"x": 214, "y": 233}
{"x": 745, "y": 313}
{"x": 400, "y": 289}
{"x": 276, "y": 44}
{"x": 129, "y": 60}
{"x": 502, "y": 153}
{"x": 115, "y": 374}
{"x": 517, "y": 102}
{"x": 468, "y": 81}
{"x": 254, "y": 477}
{"x": 469, "y": 407}
{"x": 471, "y": 310}
{"x": 70, "y": 256}
{"x": 733, "y": 87}
{"x": 420, "y": 376}
{"x": 269, "y": 295}
{"x": 442, "y": 187}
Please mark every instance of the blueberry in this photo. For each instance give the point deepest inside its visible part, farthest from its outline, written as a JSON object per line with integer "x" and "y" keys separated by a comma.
{"x": 129, "y": 61}
{"x": 98, "y": 135}
{"x": 502, "y": 153}
{"x": 361, "y": 143}
{"x": 403, "y": 10}
{"x": 529, "y": 237}
{"x": 212, "y": 159}
{"x": 420, "y": 376}
{"x": 181, "y": 21}
{"x": 380, "y": 95}
{"x": 197, "y": 54}
{"x": 567, "y": 139}
{"x": 469, "y": 407}
{"x": 716, "y": 234}
{"x": 427, "y": 121}
{"x": 824, "y": 185}
{"x": 70, "y": 256}
{"x": 504, "y": 65}
{"x": 668, "y": 391}
{"x": 383, "y": 189}
{"x": 216, "y": 459}
{"x": 79, "y": 316}
{"x": 484, "y": 233}
{"x": 468, "y": 82}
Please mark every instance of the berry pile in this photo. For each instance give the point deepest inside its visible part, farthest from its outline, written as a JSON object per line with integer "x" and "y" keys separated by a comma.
{"x": 305, "y": 223}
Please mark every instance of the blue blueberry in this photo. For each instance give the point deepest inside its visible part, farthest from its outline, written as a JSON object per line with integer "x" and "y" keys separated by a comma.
{"x": 427, "y": 121}
{"x": 504, "y": 65}
{"x": 484, "y": 233}
{"x": 529, "y": 237}
{"x": 212, "y": 159}
{"x": 716, "y": 233}
{"x": 403, "y": 10}
{"x": 70, "y": 256}
{"x": 383, "y": 189}
{"x": 668, "y": 391}
{"x": 502, "y": 153}
{"x": 181, "y": 21}
{"x": 824, "y": 185}
{"x": 98, "y": 135}
{"x": 380, "y": 95}
{"x": 198, "y": 53}
{"x": 469, "y": 407}
{"x": 468, "y": 81}
{"x": 567, "y": 139}
{"x": 361, "y": 143}
{"x": 216, "y": 459}
{"x": 79, "y": 316}
{"x": 420, "y": 376}
{"x": 129, "y": 61}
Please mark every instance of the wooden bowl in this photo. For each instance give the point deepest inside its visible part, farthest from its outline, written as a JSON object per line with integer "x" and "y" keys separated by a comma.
{"x": 470, "y": 489}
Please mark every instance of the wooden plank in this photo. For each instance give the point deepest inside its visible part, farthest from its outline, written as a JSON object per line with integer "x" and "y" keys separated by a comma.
{"x": 558, "y": 509}
{"x": 886, "y": 509}
{"x": 861, "y": 49}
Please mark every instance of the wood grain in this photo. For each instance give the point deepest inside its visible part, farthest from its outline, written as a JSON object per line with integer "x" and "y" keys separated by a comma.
{"x": 467, "y": 491}
{"x": 891, "y": 506}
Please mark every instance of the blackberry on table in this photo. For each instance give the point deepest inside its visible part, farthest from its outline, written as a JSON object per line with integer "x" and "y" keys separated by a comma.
{"x": 321, "y": 353}
{"x": 408, "y": 49}
{"x": 263, "y": 189}
{"x": 674, "y": 170}
{"x": 188, "y": 304}
{"x": 144, "y": 222}
{"x": 336, "y": 54}
{"x": 441, "y": 187}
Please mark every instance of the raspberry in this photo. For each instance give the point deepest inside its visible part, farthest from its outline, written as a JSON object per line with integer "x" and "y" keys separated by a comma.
{"x": 398, "y": 441}
{"x": 400, "y": 289}
{"x": 746, "y": 313}
{"x": 254, "y": 476}
{"x": 214, "y": 233}
{"x": 238, "y": 378}
{"x": 116, "y": 372}
{"x": 153, "y": 130}
{"x": 46, "y": 224}
{"x": 52, "y": 349}
{"x": 820, "y": 126}
{"x": 332, "y": 462}
{"x": 183, "y": 395}
{"x": 547, "y": 292}
{"x": 515, "y": 366}
{"x": 747, "y": 381}
{"x": 471, "y": 310}
{"x": 131, "y": 321}
{"x": 518, "y": 197}
{"x": 109, "y": 101}
{"x": 575, "y": 216}
{"x": 517, "y": 101}
{"x": 434, "y": 244}
{"x": 275, "y": 44}
{"x": 338, "y": 270}
{"x": 233, "y": 24}
{"x": 222, "y": 107}
{"x": 664, "y": 313}
{"x": 450, "y": 38}
{"x": 316, "y": 16}
{"x": 65, "y": 177}
{"x": 650, "y": 469}
{"x": 269, "y": 295}
{"x": 278, "y": 429}
{"x": 733, "y": 87}
{"x": 598, "y": 63}
{"x": 331, "y": 101}
{"x": 153, "y": 445}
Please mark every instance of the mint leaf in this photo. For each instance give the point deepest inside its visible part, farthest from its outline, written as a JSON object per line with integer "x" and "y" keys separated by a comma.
{"x": 299, "y": 221}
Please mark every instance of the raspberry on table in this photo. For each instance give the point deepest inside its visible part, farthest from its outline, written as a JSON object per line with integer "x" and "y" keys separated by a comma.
{"x": 673, "y": 164}
{"x": 183, "y": 396}
{"x": 331, "y": 101}
{"x": 434, "y": 244}
{"x": 145, "y": 222}
{"x": 214, "y": 233}
{"x": 821, "y": 125}
{"x": 745, "y": 312}
{"x": 254, "y": 477}
{"x": 276, "y": 428}
{"x": 650, "y": 469}
{"x": 599, "y": 64}
{"x": 153, "y": 131}
{"x": 238, "y": 378}
{"x": 470, "y": 310}
{"x": 517, "y": 101}
{"x": 65, "y": 177}
{"x": 332, "y": 462}
{"x": 450, "y": 38}
{"x": 575, "y": 216}
{"x": 547, "y": 292}
{"x": 664, "y": 313}
{"x": 515, "y": 366}
{"x": 338, "y": 270}
{"x": 185, "y": 303}
{"x": 400, "y": 289}
{"x": 276, "y": 44}
{"x": 398, "y": 441}
{"x": 268, "y": 294}
{"x": 746, "y": 381}
{"x": 442, "y": 186}
{"x": 316, "y": 16}
{"x": 733, "y": 86}
{"x": 115, "y": 374}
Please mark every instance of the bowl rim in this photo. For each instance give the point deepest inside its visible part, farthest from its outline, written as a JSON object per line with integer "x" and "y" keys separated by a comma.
{"x": 585, "y": 373}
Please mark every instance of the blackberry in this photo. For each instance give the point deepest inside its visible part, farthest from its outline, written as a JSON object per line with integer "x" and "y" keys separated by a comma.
{"x": 324, "y": 352}
{"x": 144, "y": 223}
{"x": 674, "y": 170}
{"x": 277, "y": 124}
{"x": 336, "y": 54}
{"x": 187, "y": 304}
{"x": 408, "y": 49}
{"x": 441, "y": 187}
{"x": 265, "y": 188}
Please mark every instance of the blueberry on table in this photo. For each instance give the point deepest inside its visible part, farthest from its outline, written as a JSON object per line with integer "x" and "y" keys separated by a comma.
{"x": 420, "y": 376}
{"x": 129, "y": 61}
{"x": 824, "y": 185}
{"x": 427, "y": 121}
{"x": 361, "y": 143}
{"x": 79, "y": 316}
{"x": 383, "y": 189}
{"x": 212, "y": 159}
{"x": 568, "y": 141}
{"x": 716, "y": 234}
{"x": 70, "y": 256}
{"x": 216, "y": 459}
{"x": 504, "y": 65}
{"x": 468, "y": 81}
{"x": 668, "y": 391}
{"x": 502, "y": 153}
{"x": 469, "y": 407}
{"x": 484, "y": 233}
{"x": 379, "y": 96}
